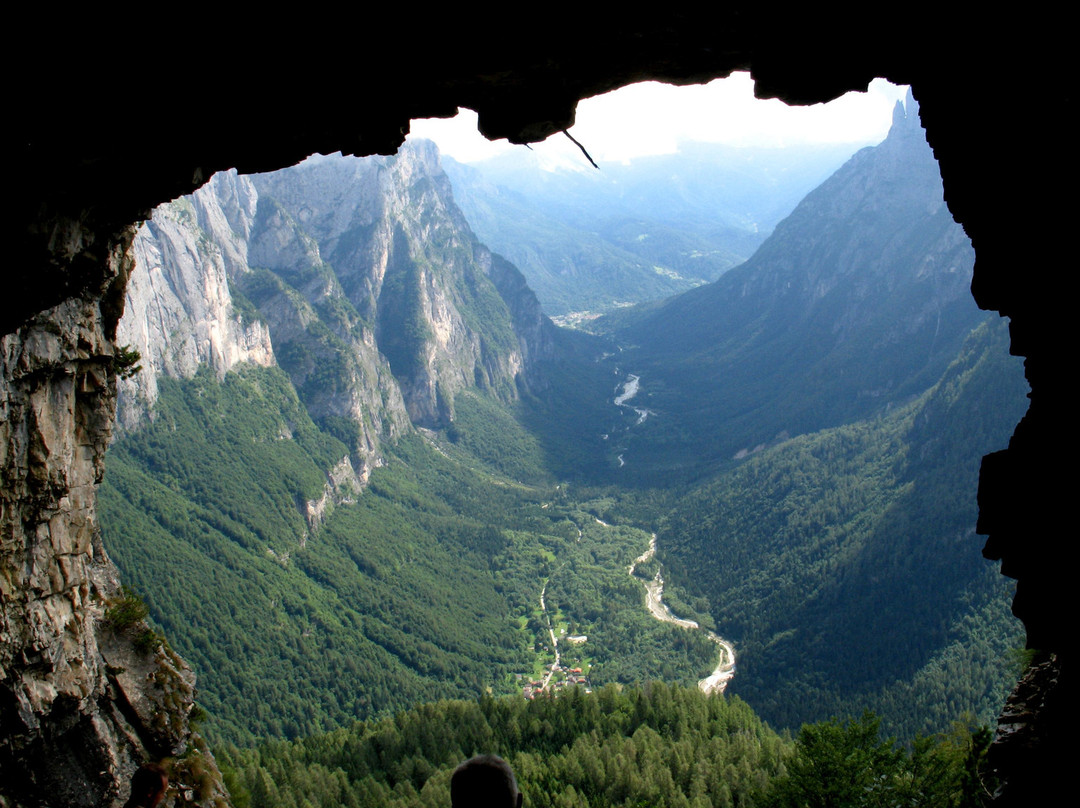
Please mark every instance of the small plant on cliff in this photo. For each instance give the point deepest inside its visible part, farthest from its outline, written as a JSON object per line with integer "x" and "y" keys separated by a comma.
{"x": 126, "y": 361}
{"x": 129, "y": 611}
{"x": 126, "y": 610}
{"x": 149, "y": 641}
{"x": 1020, "y": 659}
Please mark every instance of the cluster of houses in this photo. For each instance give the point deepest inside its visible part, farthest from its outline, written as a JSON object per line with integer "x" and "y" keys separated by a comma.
{"x": 560, "y": 677}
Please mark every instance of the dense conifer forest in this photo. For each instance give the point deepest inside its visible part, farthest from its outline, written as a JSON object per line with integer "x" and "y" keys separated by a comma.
{"x": 618, "y": 748}
{"x": 785, "y": 553}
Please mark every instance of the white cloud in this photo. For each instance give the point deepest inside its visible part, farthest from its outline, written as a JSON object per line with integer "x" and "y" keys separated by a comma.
{"x": 653, "y": 118}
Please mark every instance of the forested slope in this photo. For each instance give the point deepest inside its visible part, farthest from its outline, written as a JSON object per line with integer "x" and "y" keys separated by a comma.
{"x": 844, "y": 566}
{"x": 293, "y": 628}
{"x": 616, "y": 748}
{"x": 655, "y": 746}
{"x": 425, "y": 585}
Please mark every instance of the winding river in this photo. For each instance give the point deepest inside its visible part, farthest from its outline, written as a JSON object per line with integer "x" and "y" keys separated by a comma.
{"x": 629, "y": 390}
{"x": 716, "y": 681}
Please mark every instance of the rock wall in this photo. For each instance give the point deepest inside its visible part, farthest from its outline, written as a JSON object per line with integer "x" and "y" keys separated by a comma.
{"x": 179, "y": 312}
{"x": 82, "y": 703}
{"x": 444, "y": 311}
{"x": 331, "y": 268}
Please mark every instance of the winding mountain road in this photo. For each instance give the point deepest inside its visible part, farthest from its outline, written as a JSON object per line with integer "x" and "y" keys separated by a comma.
{"x": 554, "y": 640}
{"x": 716, "y": 682}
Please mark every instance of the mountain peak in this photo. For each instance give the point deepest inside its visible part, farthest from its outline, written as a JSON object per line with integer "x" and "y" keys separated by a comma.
{"x": 423, "y": 150}
{"x": 899, "y": 114}
{"x": 905, "y": 119}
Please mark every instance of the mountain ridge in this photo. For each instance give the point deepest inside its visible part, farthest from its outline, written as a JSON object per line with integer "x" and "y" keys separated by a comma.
{"x": 857, "y": 300}
{"x": 314, "y": 268}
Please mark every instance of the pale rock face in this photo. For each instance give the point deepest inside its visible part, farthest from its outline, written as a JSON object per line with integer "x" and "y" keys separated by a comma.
{"x": 179, "y": 312}
{"x": 343, "y": 484}
{"x": 314, "y": 327}
{"x": 445, "y": 310}
{"x": 225, "y": 208}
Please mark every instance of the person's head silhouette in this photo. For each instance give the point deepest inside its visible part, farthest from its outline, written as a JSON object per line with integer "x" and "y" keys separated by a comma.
{"x": 147, "y": 786}
{"x": 484, "y": 781}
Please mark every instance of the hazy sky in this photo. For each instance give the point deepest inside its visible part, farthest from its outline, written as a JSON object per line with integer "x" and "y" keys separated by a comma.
{"x": 652, "y": 118}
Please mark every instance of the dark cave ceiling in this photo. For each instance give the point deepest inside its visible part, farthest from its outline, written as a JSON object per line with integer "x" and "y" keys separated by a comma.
{"x": 114, "y": 115}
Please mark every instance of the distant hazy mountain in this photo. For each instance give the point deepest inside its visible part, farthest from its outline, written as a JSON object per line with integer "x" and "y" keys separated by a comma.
{"x": 179, "y": 311}
{"x": 591, "y": 240}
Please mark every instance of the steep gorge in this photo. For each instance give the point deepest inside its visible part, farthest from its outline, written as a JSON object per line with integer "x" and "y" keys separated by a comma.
{"x": 240, "y": 472}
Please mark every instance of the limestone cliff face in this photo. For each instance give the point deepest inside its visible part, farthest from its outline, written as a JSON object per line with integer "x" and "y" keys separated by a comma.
{"x": 328, "y": 350}
{"x": 359, "y": 277}
{"x": 185, "y": 309}
{"x": 443, "y": 310}
{"x": 81, "y": 704}
{"x": 179, "y": 312}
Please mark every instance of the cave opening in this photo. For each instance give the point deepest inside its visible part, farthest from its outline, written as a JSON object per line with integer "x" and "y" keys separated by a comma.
{"x": 745, "y": 451}
{"x": 81, "y": 184}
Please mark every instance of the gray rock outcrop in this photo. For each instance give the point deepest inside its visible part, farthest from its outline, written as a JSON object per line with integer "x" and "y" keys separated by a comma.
{"x": 443, "y": 310}
{"x": 179, "y": 312}
{"x": 84, "y": 703}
